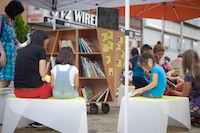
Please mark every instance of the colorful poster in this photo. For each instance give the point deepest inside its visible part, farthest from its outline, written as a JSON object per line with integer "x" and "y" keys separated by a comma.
{"x": 104, "y": 36}
{"x": 122, "y": 54}
{"x": 110, "y": 45}
{"x": 121, "y": 40}
{"x": 110, "y": 71}
{"x": 119, "y": 63}
{"x": 105, "y": 48}
{"x": 110, "y": 35}
{"x": 108, "y": 59}
{"x": 118, "y": 46}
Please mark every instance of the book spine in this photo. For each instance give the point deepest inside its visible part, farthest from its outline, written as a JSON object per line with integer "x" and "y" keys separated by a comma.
{"x": 106, "y": 97}
{"x": 84, "y": 94}
{"x": 101, "y": 95}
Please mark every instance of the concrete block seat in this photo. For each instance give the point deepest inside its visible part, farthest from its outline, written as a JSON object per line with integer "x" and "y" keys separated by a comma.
{"x": 3, "y": 99}
{"x": 63, "y": 115}
{"x": 153, "y": 115}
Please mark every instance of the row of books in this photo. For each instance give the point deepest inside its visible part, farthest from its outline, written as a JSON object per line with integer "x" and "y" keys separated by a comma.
{"x": 89, "y": 96}
{"x": 87, "y": 45}
{"x": 91, "y": 68}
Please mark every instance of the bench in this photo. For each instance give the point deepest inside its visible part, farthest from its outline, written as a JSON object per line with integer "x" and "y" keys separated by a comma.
{"x": 63, "y": 115}
{"x": 3, "y": 99}
{"x": 153, "y": 115}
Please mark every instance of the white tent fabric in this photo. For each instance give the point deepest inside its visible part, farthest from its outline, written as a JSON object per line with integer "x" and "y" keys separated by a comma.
{"x": 61, "y": 5}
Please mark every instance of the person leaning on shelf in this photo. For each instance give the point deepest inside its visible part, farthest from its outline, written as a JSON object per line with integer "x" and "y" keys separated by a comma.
{"x": 8, "y": 42}
{"x": 30, "y": 68}
{"x": 64, "y": 75}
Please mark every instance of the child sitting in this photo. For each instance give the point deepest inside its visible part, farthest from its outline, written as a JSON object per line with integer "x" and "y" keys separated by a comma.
{"x": 157, "y": 85}
{"x": 64, "y": 76}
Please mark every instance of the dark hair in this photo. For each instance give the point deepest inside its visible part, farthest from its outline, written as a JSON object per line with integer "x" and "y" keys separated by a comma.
{"x": 38, "y": 37}
{"x": 13, "y": 9}
{"x": 145, "y": 57}
{"x": 158, "y": 42}
{"x": 65, "y": 56}
{"x": 180, "y": 55}
{"x": 145, "y": 48}
{"x": 134, "y": 51}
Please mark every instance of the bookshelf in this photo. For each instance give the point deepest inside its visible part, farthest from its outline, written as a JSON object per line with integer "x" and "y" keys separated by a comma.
{"x": 110, "y": 56}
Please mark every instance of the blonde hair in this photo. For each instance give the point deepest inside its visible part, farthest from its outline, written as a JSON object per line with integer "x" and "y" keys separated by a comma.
{"x": 159, "y": 47}
{"x": 191, "y": 62}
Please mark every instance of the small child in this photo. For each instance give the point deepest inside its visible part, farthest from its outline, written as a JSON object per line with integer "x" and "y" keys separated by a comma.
{"x": 64, "y": 75}
{"x": 157, "y": 85}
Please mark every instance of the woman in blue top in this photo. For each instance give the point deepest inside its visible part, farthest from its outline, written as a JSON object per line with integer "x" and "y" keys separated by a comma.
{"x": 157, "y": 85}
{"x": 8, "y": 42}
{"x": 191, "y": 83}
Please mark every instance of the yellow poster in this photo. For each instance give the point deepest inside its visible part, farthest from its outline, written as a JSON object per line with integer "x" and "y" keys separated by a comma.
{"x": 118, "y": 46}
{"x": 119, "y": 63}
{"x": 121, "y": 40}
{"x": 110, "y": 71}
{"x": 108, "y": 59}
{"x": 110, "y": 35}
{"x": 105, "y": 48}
{"x": 122, "y": 54}
{"x": 104, "y": 36}
{"x": 110, "y": 45}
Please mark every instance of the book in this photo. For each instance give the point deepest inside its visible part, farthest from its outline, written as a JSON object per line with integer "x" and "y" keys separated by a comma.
{"x": 84, "y": 94}
{"x": 53, "y": 61}
{"x": 47, "y": 78}
{"x": 91, "y": 45}
{"x": 99, "y": 98}
{"x": 66, "y": 43}
{"x": 133, "y": 93}
{"x": 170, "y": 84}
{"x": 96, "y": 96}
{"x": 6, "y": 90}
{"x": 89, "y": 92}
{"x": 106, "y": 97}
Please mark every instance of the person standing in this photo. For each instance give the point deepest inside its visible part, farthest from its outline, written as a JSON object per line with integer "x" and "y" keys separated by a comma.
{"x": 8, "y": 42}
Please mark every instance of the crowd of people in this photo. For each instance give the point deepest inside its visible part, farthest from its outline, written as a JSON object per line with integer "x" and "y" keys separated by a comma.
{"x": 152, "y": 70}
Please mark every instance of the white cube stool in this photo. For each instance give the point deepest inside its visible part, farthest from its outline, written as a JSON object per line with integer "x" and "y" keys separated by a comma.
{"x": 122, "y": 92}
{"x": 65, "y": 115}
{"x": 153, "y": 115}
{"x": 3, "y": 99}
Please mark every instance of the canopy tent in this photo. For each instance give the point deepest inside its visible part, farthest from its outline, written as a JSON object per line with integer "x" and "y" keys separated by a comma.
{"x": 60, "y": 5}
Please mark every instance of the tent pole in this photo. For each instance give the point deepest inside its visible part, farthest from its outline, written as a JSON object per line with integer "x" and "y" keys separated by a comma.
{"x": 127, "y": 27}
{"x": 163, "y": 21}
{"x": 181, "y": 37}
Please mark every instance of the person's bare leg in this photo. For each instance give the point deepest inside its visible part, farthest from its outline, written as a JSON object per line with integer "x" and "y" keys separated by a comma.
{"x": 4, "y": 83}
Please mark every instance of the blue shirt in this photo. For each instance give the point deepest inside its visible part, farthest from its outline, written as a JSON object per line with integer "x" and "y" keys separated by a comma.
{"x": 159, "y": 89}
